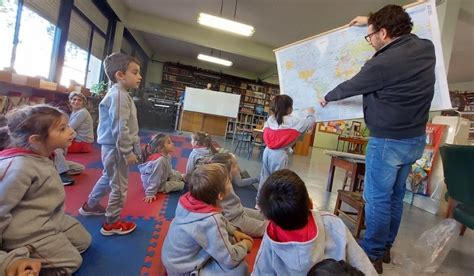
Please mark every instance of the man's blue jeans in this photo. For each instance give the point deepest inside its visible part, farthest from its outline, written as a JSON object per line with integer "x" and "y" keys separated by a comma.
{"x": 387, "y": 164}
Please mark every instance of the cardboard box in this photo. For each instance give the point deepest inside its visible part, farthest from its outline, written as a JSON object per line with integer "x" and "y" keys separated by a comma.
{"x": 49, "y": 85}
{"x": 6, "y": 76}
{"x": 33, "y": 82}
{"x": 19, "y": 79}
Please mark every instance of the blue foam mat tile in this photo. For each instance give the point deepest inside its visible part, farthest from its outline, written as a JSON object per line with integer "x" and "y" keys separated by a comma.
{"x": 106, "y": 254}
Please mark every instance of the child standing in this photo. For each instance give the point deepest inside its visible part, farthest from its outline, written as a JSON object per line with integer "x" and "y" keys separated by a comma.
{"x": 249, "y": 221}
{"x": 298, "y": 237}
{"x": 35, "y": 233}
{"x": 202, "y": 148}
{"x": 157, "y": 173}
{"x": 199, "y": 237}
{"x": 279, "y": 133}
{"x": 118, "y": 134}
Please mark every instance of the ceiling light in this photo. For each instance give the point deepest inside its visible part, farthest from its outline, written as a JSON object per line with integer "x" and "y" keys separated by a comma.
{"x": 225, "y": 24}
{"x": 215, "y": 60}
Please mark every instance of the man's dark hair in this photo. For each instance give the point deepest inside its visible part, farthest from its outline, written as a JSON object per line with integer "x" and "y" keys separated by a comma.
{"x": 392, "y": 18}
{"x": 285, "y": 200}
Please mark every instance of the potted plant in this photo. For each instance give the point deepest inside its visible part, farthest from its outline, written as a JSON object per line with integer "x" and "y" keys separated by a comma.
{"x": 99, "y": 89}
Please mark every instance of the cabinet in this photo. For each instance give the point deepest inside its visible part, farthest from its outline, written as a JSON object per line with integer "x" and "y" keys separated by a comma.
{"x": 464, "y": 103}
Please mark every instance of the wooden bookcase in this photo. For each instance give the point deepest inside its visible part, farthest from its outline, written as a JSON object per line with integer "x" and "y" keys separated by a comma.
{"x": 255, "y": 96}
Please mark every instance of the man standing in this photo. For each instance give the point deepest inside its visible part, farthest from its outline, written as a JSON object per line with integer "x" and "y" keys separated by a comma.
{"x": 397, "y": 85}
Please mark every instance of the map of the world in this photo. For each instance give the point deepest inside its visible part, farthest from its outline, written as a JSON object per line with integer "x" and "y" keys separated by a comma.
{"x": 309, "y": 69}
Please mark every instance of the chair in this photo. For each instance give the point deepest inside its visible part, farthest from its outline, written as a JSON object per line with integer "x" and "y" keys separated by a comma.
{"x": 356, "y": 202}
{"x": 244, "y": 141}
{"x": 459, "y": 179}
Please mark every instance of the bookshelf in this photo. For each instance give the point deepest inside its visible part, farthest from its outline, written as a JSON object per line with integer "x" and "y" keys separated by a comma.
{"x": 255, "y": 96}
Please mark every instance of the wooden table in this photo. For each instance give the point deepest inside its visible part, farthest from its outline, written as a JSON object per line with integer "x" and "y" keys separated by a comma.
{"x": 354, "y": 163}
{"x": 355, "y": 144}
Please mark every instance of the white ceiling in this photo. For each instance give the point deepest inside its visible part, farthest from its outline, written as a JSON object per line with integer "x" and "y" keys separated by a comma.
{"x": 170, "y": 28}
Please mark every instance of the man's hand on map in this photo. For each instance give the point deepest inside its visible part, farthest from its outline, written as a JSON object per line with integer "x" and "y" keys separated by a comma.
{"x": 310, "y": 110}
{"x": 359, "y": 21}
{"x": 323, "y": 102}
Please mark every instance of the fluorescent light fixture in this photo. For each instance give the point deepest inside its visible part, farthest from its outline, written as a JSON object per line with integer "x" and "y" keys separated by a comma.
{"x": 215, "y": 60}
{"x": 225, "y": 24}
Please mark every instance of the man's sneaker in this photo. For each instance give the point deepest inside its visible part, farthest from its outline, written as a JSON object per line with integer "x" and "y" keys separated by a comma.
{"x": 119, "y": 227}
{"x": 66, "y": 179}
{"x": 378, "y": 265}
{"x": 386, "y": 256}
{"x": 97, "y": 210}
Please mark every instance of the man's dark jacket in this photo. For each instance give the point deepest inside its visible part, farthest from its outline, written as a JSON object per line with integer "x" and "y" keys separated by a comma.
{"x": 397, "y": 85}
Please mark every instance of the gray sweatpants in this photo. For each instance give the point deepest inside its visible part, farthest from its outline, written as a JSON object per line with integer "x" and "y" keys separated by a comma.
{"x": 63, "y": 249}
{"x": 63, "y": 165}
{"x": 272, "y": 160}
{"x": 251, "y": 222}
{"x": 114, "y": 179}
{"x": 212, "y": 268}
{"x": 174, "y": 183}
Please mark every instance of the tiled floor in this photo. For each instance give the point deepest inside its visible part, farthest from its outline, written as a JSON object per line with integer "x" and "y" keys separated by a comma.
{"x": 313, "y": 169}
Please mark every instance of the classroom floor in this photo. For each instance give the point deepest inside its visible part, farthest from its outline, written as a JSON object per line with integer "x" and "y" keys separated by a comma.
{"x": 313, "y": 169}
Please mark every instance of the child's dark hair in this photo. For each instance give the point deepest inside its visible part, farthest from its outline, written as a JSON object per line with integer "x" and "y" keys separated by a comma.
{"x": 331, "y": 267}
{"x": 204, "y": 139}
{"x": 280, "y": 106}
{"x": 117, "y": 62}
{"x": 156, "y": 144}
{"x": 19, "y": 124}
{"x": 207, "y": 181}
{"x": 225, "y": 159}
{"x": 285, "y": 200}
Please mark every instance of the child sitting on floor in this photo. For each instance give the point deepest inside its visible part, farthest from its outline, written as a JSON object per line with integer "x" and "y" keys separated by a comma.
{"x": 249, "y": 221}
{"x": 202, "y": 148}
{"x": 35, "y": 233}
{"x": 298, "y": 237}
{"x": 156, "y": 172}
{"x": 199, "y": 237}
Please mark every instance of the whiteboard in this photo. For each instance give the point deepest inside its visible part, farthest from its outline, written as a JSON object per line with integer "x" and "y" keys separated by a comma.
{"x": 211, "y": 102}
{"x": 310, "y": 68}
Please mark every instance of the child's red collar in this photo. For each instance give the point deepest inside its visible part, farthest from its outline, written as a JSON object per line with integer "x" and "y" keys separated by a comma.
{"x": 16, "y": 151}
{"x": 196, "y": 206}
{"x": 307, "y": 233}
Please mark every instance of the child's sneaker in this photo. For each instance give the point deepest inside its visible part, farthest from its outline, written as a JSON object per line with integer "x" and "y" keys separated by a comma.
{"x": 119, "y": 227}
{"x": 97, "y": 210}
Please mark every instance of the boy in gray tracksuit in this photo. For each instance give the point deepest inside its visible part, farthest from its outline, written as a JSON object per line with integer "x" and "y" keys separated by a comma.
{"x": 32, "y": 219}
{"x": 200, "y": 240}
{"x": 157, "y": 175}
{"x": 297, "y": 237}
{"x": 118, "y": 134}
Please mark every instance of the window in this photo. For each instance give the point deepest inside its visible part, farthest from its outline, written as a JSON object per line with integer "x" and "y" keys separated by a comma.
{"x": 75, "y": 57}
{"x": 33, "y": 53}
{"x": 8, "y": 10}
{"x": 95, "y": 61}
{"x": 126, "y": 46}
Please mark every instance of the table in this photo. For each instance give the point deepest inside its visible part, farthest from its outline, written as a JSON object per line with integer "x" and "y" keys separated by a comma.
{"x": 354, "y": 163}
{"x": 355, "y": 144}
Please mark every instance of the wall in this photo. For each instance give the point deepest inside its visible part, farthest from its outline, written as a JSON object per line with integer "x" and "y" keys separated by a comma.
{"x": 154, "y": 72}
{"x": 462, "y": 86}
{"x": 328, "y": 140}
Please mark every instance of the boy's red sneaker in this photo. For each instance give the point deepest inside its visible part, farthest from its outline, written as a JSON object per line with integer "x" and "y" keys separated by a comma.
{"x": 119, "y": 227}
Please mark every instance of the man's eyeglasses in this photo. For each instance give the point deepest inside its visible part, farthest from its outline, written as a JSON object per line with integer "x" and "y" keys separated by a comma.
{"x": 367, "y": 37}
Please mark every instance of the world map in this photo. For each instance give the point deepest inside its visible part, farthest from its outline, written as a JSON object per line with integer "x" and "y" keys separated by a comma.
{"x": 309, "y": 69}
